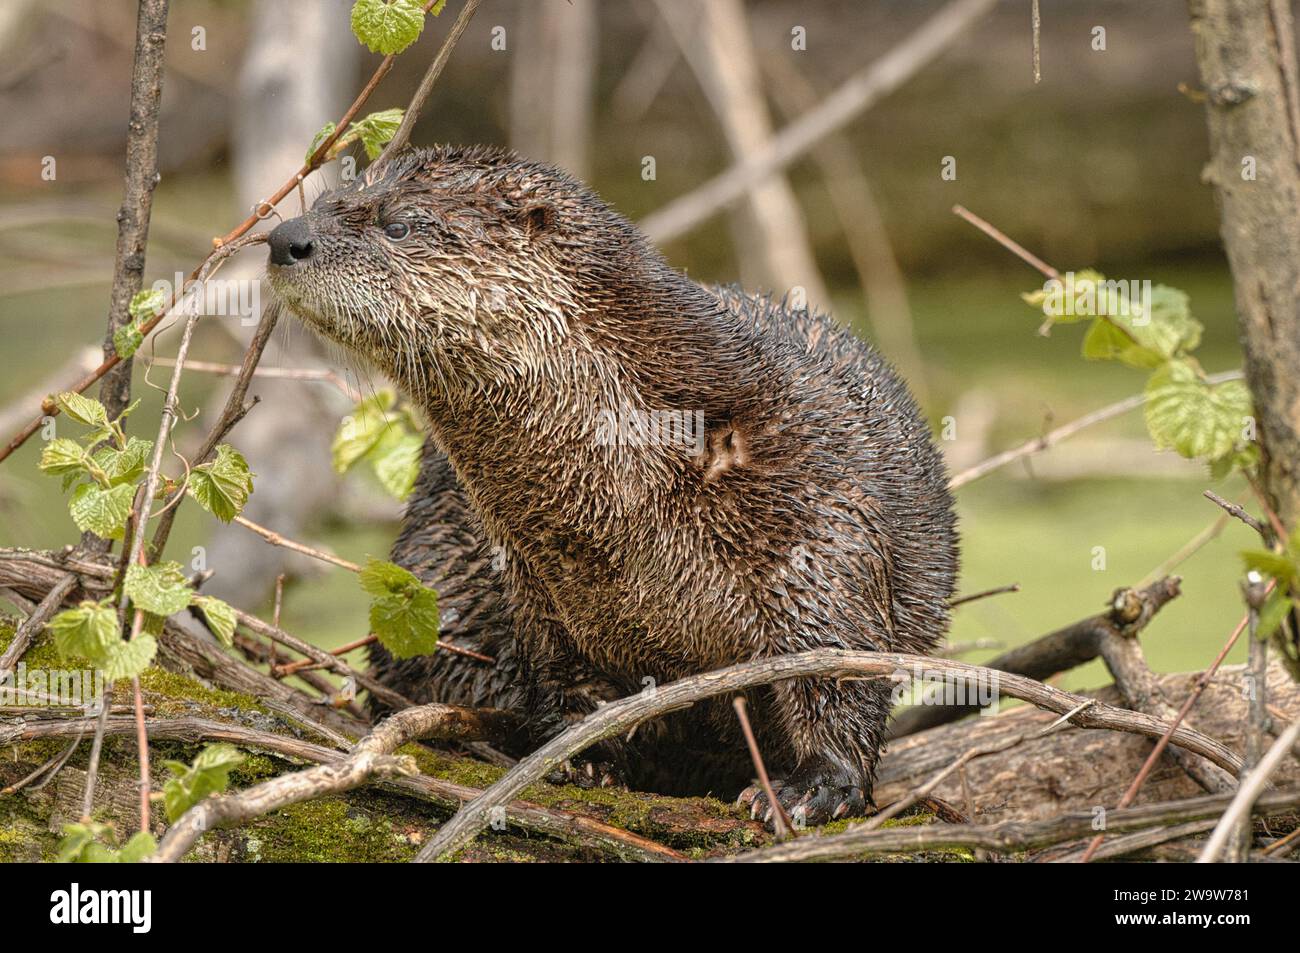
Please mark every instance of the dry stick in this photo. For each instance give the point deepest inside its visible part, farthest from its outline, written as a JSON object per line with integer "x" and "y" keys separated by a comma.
{"x": 619, "y": 716}
{"x": 1058, "y": 651}
{"x": 962, "y": 600}
{"x": 1005, "y": 837}
{"x": 283, "y": 373}
{"x": 281, "y": 671}
{"x": 137, "y": 199}
{"x": 857, "y": 94}
{"x": 576, "y": 828}
{"x": 1241, "y": 808}
{"x": 1053, "y": 437}
{"x": 333, "y": 663}
{"x": 1149, "y": 764}
{"x": 1140, "y": 689}
{"x": 403, "y": 134}
{"x": 33, "y": 624}
{"x": 231, "y": 414}
{"x": 1234, "y": 509}
{"x": 993, "y": 232}
{"x": 779, "y": 819}
{"x": 275, "y": 539}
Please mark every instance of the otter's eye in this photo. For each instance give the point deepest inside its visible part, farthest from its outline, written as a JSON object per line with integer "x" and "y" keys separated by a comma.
{"x": 397, "y": 230}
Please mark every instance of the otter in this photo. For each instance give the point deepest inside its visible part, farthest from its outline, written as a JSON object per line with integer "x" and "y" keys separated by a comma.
{"x": 630, "y": 477}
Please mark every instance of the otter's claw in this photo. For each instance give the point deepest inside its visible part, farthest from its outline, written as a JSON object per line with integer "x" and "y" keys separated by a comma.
{"x": 810, "y": 801}
{"x": 588, "y": 774}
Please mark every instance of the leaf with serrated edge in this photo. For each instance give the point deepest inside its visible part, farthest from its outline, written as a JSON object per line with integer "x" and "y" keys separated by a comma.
{"x": 387, "y": 27}
{"x": 102, "y": 512}
{"x": 1197, "y": 419}
{"x": 161, "y": 589}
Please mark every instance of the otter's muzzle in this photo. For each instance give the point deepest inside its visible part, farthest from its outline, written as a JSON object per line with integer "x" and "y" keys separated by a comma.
{"x": 291, "y": 242}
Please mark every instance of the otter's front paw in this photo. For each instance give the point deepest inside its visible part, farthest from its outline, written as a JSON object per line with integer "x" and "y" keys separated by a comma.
{"x": 809, "y": 798}
{"x": 587, "y": 774}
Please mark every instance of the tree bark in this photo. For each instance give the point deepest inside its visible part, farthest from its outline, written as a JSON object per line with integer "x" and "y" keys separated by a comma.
{"x": 1246, "y": 53}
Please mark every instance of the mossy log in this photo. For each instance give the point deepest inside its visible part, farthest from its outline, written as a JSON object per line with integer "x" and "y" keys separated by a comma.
{"x": 384, "y": 822}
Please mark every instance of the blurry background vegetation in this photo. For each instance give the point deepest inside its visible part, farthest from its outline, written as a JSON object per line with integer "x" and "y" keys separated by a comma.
{"x": 1098, "y": 165}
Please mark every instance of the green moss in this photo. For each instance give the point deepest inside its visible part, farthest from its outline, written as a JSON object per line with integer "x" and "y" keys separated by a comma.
{"x": 466, "y": 771}
{"x": 328, "y": 830}
{"x": 183, "y": 692}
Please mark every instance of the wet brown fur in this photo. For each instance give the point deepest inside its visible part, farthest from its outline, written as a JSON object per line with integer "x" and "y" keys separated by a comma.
{"x": 517, "y": 310}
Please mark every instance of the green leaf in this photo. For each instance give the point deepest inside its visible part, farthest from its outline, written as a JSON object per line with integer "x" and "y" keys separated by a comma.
{"x": 161, "y": 589}
{"x": 1054, "y": 300}
{"x": 220, "y": 616}
{"x": 223, "y": 486}
{"x": 125, "y": 465}
{"x": 62, "y": 456}
{"x": 1280, "y": 566}
{"x": 209, "y": 774}
{"x": 84, "y": 410}
{"x": 1196, "y": 419}
{"x": 100, "y": 511}
{"x": 127, "y": 340}
{"x": 387, "y": 27}
{"x": 403, "y": 611}
{"x": 139, "y": 847}
{"x": 326, "y": 131}
{"x": 1272, "y": 613}
{"x": 81, "y": 845}
{"x": 376, "y": 130}
{"x": 89, "y": 630}
{"x": 146, "y": 304}
{"x": 78, "y": 838}
{"x": 362, "y": 430}
{"x": 129, "y": 659}
{"x": 398, "y": 464}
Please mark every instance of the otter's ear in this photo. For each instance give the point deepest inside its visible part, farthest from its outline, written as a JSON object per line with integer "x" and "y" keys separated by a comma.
{"x": 537, "y": 219}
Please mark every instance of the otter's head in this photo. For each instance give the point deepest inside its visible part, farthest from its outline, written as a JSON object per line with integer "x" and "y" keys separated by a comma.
{"x": 451, "y": 267}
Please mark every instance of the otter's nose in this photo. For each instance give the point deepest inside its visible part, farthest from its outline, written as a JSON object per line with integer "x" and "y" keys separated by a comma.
{"x": 291, "y": 242}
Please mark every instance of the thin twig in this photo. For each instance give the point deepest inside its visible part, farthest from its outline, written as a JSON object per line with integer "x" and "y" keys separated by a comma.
{"x": 1234, "y": 509}
{"x": 1037, "y": 23}
{"x": 324, "y": 375}
{"x": 412, "y": 113}
{"x": 275, "y": 539}
{"x": 333, "y": 663}
{"x": 231, "y": 414}
{"x": 962, "y": 600}
{"x": 780, "y": 821}
{"x": 1053, "y": 437}
{"x": 1020, "y": 251}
